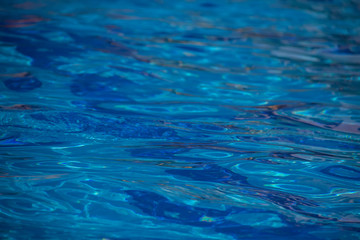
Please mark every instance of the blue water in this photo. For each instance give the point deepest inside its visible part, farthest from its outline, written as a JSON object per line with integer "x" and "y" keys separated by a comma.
{"x": 156, "y": 119}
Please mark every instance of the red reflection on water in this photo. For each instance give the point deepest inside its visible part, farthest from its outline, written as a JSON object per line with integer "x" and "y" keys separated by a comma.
{"x": 25, "y": 21}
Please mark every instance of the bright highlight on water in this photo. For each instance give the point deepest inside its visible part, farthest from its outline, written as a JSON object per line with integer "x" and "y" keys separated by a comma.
{"x": 183, "y": 119}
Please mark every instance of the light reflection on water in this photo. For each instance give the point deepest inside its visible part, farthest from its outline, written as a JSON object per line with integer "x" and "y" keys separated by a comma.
{"x": 180, "y": 120}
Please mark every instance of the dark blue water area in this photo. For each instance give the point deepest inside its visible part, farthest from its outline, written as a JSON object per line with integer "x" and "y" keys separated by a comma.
{"x": 180, "y": 119}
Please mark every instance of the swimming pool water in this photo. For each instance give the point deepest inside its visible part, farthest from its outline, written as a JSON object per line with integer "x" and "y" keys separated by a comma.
{"x": 155, "y": 119}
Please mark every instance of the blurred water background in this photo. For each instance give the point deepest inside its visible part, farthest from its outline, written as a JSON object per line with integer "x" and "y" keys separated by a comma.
{"x": 148, "y": 119}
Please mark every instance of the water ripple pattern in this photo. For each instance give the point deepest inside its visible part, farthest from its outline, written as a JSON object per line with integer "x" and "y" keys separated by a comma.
{"x": 201, "y": 119}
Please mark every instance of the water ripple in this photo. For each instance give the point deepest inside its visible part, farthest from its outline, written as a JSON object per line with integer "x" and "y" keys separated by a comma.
{"x": 180, "y": 120}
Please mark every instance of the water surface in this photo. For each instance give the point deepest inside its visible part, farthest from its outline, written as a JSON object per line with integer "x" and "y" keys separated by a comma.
{"x": 180, "y": 119}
